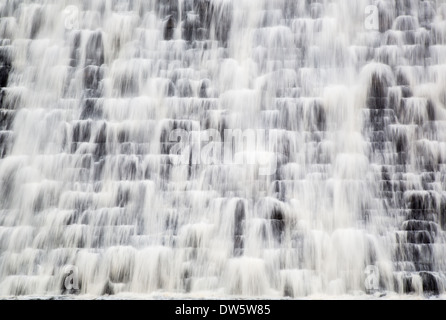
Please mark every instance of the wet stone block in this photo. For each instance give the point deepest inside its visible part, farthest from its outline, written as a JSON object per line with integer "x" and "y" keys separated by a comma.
{"x": 430, "y": 283}
{"x": 4, "y": 76}
{"x": 91, "y": 109}
{"x": 202, "y": 7}
{"x": 222, "y": 20}
{"x": 385, "y": 175}
{"x": 2, "y": 97}
{"x": 415, "y": 225}
{"x": 122, "y": 198}
{"x": 128, "y": 170}
{"x": 6, "y": 119}
{"x": 406, "y": 92}
{"x": 409, "y": 37}
{"x": 92, "y": 77}
{"x": 422, "y": 266}
{"x": 127, "y": 84}
{"x": 184, "y": 88}
{"x": 402, "y": 158}
{"x": 239, "y": 218}
{"x": 82, "y": 131}
{"x": 386, "y": 186}
{"x": 431, "y": 111}
{"x": 320, "y": 117}
{"x": 278, "y": 223}
{"x": 239, "y": 244}
{"x": 190, "y": 27}
{"x": 377, "y": 103}
{"x": 418, "y": 201}
{"x": 75, "y": 53}
{"x": 95, "y": 50}
{"x": 420, "y": 237}
{"x": 406, "y": 23}
{"x": 98, "y": 169}
{"x": 123, "y": 136}
{"x": 169, "y": 28}
{"x": 239, "y": 226}
{"x": 426, "y": 13}
{"x": 36, "y": 23}
{"x": 101, "y": 135}
{"x": 378, "y": 136}
{"x": 378, "y": 87}
{"x": 401, "y": 144}
{"x": 100, "y": 151}
{"x": 108, "y": 289}
{"x": 5, "y": 56}
{"x": 425, "y": 215}
{"x": 203, "y": 92}
{"x": 401, "y": 79}
{"x": 4, "y": 148}
{"x": 420, "y": 253}
{"x": 427, "y": 179}
{"x": 171, "y": 89}
{"x": 122, "y": 275}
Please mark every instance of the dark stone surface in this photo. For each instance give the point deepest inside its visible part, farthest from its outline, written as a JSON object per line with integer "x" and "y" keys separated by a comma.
{"x": 278, "y": 223}
{"x": 82, "y": 131}
{"x": 239, "y": 228}
{"x": 6, "y": 119}
{"x": 95, "y": 50}
{"x": 4, "y": 75}
{"x": 430, "y": 283}
{"x": 169, "y": 28}
{"x": 378, "y": 88}
{"x": 101, "y": 135}
{"x": 91, "y": 109}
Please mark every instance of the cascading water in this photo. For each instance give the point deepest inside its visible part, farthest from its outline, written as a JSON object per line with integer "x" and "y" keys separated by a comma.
{"x": 117, "y": 160}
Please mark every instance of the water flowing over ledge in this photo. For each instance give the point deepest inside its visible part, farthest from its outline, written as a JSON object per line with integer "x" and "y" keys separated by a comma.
{"x": 223, "y": 148}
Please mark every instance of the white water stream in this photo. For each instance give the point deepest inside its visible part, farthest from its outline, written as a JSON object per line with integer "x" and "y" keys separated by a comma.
{"x": 343, "y": 169}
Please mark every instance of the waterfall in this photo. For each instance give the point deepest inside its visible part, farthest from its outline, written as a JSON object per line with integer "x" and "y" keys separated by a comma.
{"x": 222, "y": 148}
